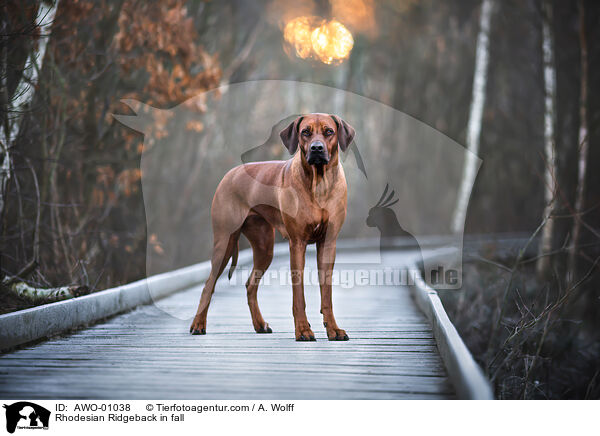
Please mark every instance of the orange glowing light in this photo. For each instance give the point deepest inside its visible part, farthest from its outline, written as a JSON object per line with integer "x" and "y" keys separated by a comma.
{"x": 332, "y": 42}
{"x": 311, "y": 37}
{"x": 298, "y": 32}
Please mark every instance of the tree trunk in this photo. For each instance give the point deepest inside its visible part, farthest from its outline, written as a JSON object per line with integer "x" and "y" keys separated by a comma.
{"x": 44, "y": 295}
{"x": 582, "y": 150}
{"x": 475, "y": 117}
{"x": 17, "y": 103}
{"x": 543, "y": 263}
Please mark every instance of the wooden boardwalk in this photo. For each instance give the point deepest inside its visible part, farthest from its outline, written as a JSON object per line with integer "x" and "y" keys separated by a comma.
{"x": 148, "y": 354}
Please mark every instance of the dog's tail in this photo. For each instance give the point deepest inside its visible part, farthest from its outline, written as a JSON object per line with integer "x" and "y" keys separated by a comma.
{"x": 234, "y": 259}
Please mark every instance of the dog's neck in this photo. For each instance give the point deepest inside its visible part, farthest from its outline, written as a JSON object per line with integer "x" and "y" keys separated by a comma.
{"x": 319, "y": 180}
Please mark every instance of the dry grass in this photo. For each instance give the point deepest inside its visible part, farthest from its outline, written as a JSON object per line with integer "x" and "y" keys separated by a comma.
{"x": 546, "y": 344}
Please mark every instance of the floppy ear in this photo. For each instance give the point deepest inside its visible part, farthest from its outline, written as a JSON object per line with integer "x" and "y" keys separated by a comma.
{"x": 345, "y": 132}
{"x": 289, "y": 135}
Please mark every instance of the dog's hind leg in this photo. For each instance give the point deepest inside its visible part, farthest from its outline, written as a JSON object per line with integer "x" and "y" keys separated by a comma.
{"x": 223, "y": 248}
{"x": 262, "y": 237}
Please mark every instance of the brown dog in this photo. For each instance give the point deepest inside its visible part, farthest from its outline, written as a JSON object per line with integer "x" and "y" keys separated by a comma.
{"x": 304, "y": 198}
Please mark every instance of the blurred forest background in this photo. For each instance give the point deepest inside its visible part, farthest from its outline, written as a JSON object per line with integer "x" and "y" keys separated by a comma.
{"x": 72, "y": 212}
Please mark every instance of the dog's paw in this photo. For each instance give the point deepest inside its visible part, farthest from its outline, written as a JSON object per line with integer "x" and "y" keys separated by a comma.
{"x": 305, "y": 334}
{"x": 337, "y": 335}
{"x": 198, "y": 327}
{"x": 264, "y": 329}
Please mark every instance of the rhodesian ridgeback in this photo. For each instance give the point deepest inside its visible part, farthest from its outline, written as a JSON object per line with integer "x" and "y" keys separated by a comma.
{"x": 304, "y": 198}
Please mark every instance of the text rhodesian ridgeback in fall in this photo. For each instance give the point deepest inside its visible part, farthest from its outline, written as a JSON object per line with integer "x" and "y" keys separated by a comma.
{"x": 304, "y": 198}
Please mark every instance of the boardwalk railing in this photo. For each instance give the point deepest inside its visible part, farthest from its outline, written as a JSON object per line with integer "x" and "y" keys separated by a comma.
{"x": 467, "y": 377}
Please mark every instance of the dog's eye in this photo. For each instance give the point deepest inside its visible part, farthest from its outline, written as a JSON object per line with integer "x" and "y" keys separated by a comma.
{"x": 306, "y": 132}
{"x": 328, "y": 132}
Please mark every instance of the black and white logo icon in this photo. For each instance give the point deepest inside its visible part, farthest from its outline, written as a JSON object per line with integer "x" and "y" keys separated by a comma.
{"x": 26, "y": 415}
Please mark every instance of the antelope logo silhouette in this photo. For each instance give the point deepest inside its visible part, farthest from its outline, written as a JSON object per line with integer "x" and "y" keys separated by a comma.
{"x": 384, "y": 218}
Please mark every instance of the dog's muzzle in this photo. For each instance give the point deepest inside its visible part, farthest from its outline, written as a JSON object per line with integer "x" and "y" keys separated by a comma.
{"x": 317, "y": 154}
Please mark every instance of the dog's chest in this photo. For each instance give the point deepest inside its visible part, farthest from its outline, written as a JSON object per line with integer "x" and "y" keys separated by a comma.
{"x": 316, "y": 225}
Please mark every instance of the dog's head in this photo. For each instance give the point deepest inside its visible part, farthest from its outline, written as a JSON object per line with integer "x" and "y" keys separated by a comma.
{"x": 318, "y": 136}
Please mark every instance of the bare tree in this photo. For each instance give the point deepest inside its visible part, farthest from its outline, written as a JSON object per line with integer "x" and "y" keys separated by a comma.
{"x": 475, "y": 116}
{"x": 19, "y": 100}
{"x": 545, "y": 247}
{"x": 582, "y": 149}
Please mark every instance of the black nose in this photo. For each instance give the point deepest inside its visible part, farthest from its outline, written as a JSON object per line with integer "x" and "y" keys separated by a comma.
{"x": 316, "y": 146}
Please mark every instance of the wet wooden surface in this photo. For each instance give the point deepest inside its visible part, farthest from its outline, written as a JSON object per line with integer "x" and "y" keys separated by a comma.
{"x": 149, "y": 354}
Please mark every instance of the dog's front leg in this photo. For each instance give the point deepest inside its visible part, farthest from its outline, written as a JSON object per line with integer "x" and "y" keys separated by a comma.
{"x": 297, "y": 253}
{"x": 325, "y": 261}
